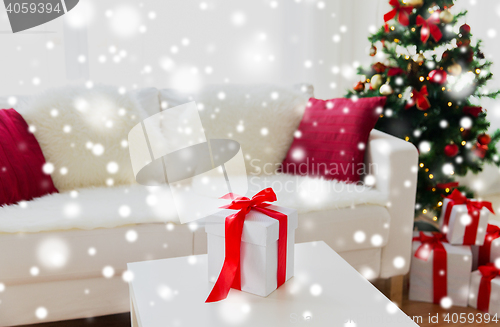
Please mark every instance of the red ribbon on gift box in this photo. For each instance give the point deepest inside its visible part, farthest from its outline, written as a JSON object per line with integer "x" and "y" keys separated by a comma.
{"x": 492, "y": 233}
{"x": 473, "y": 208}
{"x": 230, "y": 275}
{"x": 429, "y": 27}
{"x": 488, "y": 272}
{"x": 439, "y": 262}
{"x": 403, "y": 13}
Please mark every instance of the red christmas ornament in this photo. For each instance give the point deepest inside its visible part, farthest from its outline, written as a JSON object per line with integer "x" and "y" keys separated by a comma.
{"x": 484, "y": 139}
{"x": 451, "y": 150}
{"x": 438, "y": 76}
{"x": 379, "y": 67}
{"x": 464, "y": 29}
{"x": 359, "y": 87}
{"x": 373, "y": 50}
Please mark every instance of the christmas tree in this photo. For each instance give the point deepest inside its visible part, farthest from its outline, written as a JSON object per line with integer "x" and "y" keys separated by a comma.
{"x": 434, "y": 78}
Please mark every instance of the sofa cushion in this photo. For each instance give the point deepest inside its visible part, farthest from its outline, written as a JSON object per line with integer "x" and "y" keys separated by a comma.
{"x": 109, "y": 207}
{"x": 306, "y": 194}
{"x": 100, "y": 207}
{"x": 332, "y": 138}
{"x": 83, "y": 133}
{"x": 22, "y": 175}
{"x": 262, "y": 118}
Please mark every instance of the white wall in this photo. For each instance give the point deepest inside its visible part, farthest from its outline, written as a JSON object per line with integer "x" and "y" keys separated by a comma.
{"x": 243, "y": 41}
{"x": 294, "y": 32}
{"x": 248, "y": 41}
{"x": 236, "y": 41}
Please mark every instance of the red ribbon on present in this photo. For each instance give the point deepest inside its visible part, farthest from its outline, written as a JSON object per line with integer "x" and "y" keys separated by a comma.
{"x": 488, "y": 272}
{"x": 420, "y": 98}
{"x": 230, "y": 275}
{"x": 439, "y": 262}
{"x": 429, "y": 27}
{"x": 403, "y": 13}
{"x": 492, "y": 233}
{"x": 473, "y": 208}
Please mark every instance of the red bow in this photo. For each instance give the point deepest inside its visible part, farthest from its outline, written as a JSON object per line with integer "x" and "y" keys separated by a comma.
{"x": 429, "y": 27}
{"x": 420, "y": 98}
{"x": 473, "y": 208}
{"x": 403, "y": 13}
{"x": 439, "y": 262}
{"x": 230, "y": 276}
{"x": 492, "y": 233}
{"x": 488, "y": 272}
{"x": 429, "y": 243}
{"x": 473, "y": 111}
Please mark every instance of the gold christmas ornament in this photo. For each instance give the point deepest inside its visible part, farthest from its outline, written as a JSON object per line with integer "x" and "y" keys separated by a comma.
{"x": 446, "y": 16}
{"x": 414, "y": 3}
{"x": 455, "y": 69}
{"x": 376, "y": 81}
{"x": 386, "y": 89}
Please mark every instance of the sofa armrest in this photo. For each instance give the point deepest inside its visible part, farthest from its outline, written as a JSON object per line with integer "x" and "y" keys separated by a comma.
{"x": 393, "y": 162}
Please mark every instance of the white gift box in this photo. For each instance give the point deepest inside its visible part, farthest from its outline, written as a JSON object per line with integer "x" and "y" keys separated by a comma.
{"x": 475, "y": 280}
{"x": 459, "y": 262}
{"x": 459, "y": 219}
{"x": 259, "y": 248}
{"x": 494, "y": 250}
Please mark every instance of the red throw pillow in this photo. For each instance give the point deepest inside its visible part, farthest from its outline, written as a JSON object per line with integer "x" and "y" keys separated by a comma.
{"x": 331, "y": 138}
{"x": 21, "y": 161}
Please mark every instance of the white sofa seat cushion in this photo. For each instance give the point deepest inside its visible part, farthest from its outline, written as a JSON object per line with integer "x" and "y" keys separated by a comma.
{"x": 82, "y": 131}
{"x": 108, "y": 207}
{"x": 306, "y": 194}
{"x": 90, "y": 208}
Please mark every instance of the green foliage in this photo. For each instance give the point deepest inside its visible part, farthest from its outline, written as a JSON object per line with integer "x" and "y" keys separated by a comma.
{"x": 443, "y": 123}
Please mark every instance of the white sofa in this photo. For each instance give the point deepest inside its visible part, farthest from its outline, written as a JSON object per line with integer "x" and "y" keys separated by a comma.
{"x": 62, "y": 270}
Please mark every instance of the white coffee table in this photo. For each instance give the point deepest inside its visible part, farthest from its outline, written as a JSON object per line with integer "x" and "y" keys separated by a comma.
{"x": 325, "y": 291}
